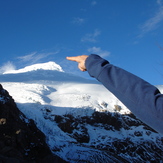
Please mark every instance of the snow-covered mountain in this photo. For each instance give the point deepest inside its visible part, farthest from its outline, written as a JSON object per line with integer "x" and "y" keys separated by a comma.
{"x": 82, "y": 121}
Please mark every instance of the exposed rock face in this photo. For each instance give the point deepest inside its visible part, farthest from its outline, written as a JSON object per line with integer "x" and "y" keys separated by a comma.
{"x": 20, "y": 140}
{"x": 136, "y": 146}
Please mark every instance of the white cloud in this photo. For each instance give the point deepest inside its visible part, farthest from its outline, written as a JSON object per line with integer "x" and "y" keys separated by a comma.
{"x": 91, "y": 37}
{"x": 7, "y": 67}
{"x": 28, "y": 57}
{"x": 159, "y": 2}
{"x": 99, "y": 51}
{"x": 153, "y": 22}
{"x": 35, "y": 57}
{"x": 78, "y": 21}
{"x": 93, "y": 3}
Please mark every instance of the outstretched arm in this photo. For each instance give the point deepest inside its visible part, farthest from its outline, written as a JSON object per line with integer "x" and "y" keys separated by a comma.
{"x": 142, "y": 98}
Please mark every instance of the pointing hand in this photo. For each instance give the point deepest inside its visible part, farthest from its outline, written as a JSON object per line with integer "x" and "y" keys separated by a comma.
{"x": 81, "y": 61}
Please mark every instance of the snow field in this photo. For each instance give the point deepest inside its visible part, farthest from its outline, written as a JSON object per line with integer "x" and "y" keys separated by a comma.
{"x": 57, "y": 93}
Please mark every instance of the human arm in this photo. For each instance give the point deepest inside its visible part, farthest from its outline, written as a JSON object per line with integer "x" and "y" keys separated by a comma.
{"x": 143, "y": 99}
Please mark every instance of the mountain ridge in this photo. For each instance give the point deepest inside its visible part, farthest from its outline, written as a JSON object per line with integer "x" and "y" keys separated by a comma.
{"x": 82, "y": 120}
{"x": 43, "y": 66}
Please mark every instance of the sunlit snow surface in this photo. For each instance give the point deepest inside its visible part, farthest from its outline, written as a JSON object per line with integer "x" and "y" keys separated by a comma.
{"x": 39, "y": 66}
{"x": 43, "y": 87}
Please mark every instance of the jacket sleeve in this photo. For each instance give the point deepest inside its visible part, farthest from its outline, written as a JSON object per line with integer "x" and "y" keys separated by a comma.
{"x": 142, "y": 98}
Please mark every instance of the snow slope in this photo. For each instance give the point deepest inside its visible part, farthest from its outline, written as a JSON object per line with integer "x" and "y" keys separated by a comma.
{"x": 55, "y": 88}
{"x": 43, "y": 91}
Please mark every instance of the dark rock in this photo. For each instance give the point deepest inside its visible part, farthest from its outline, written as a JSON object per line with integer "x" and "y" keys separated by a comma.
{"x": 132, "y": 148}
{"x": 20, "y": 140}
{"x": 74, "y": 127}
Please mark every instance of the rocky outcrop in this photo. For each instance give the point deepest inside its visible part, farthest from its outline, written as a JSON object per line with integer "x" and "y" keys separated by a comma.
{"x": 136, "y": 141}
{"x": 20, "y": 140}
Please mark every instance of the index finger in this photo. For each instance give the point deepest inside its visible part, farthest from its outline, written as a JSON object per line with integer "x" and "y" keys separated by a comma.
{"x": 73, "y": 58}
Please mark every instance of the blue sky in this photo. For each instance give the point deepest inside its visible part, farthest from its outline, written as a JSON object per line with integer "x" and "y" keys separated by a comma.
{"x": 127, "y": 33}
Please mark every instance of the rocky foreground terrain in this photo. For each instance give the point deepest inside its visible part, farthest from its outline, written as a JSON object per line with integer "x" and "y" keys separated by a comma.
{"x": 20, "y": 139}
